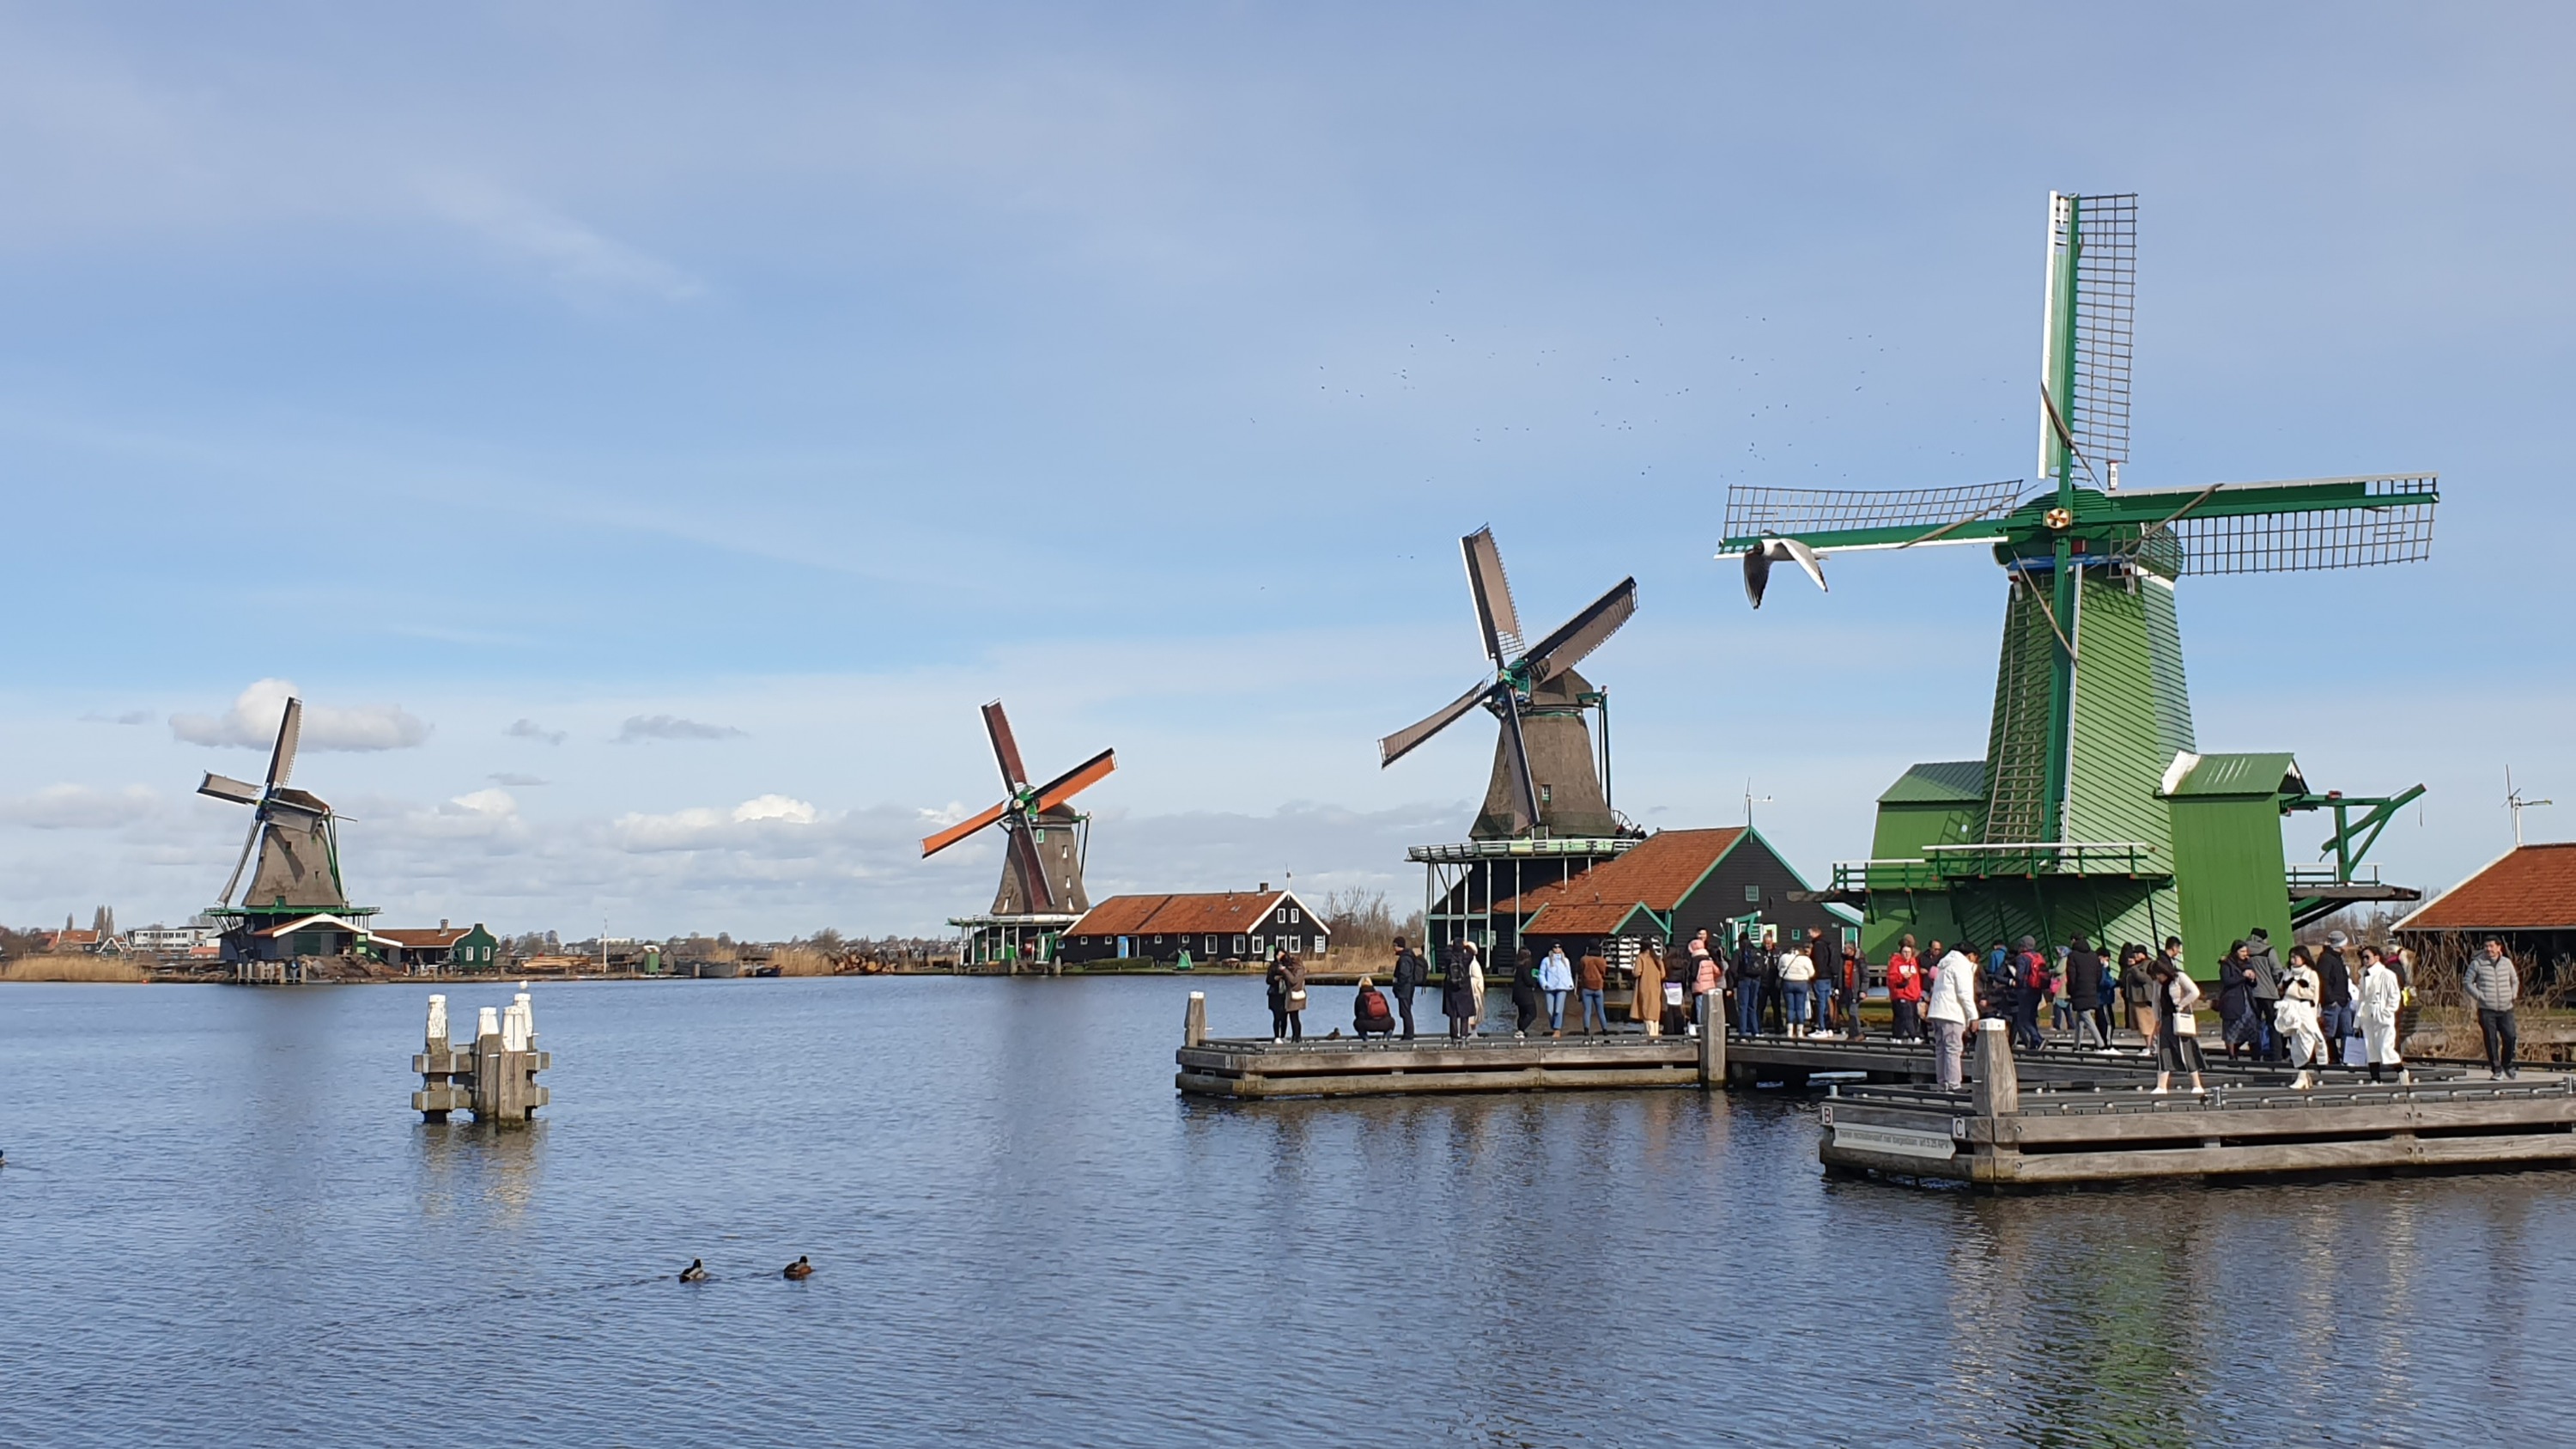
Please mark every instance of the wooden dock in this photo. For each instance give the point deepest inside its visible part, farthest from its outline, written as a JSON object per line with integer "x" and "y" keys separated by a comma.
{"x": 1997, "y": 1136}
{"x": 1256, "y": 1067}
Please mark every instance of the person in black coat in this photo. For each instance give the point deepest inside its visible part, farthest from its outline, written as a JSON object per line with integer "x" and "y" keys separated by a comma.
{"x": 1457, "y": 991}
{"x": 1412, "y": 973}
{"x": 1525, "y": 1003}
{"x": 2084, "y": 991}
{"x": 1825, "y": 948}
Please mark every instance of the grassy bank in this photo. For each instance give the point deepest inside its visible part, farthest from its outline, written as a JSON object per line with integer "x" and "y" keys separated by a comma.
{"x": 74, "y": 968}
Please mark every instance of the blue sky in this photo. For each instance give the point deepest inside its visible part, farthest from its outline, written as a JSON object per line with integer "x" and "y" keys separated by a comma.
{"x": 815, "y": 374}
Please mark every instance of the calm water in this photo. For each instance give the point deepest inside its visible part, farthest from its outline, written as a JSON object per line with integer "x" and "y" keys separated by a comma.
{"x": 223, "y": 1225}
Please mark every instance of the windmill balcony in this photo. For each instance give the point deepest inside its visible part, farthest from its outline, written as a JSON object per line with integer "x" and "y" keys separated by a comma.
{"x": 1943, "y": 865}
{"x": 1521, "y": 846}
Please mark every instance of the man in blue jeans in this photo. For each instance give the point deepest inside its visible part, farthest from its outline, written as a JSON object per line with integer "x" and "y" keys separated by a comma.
{"x": 1747, "y": 979}
{"x": 1591, "y": 979}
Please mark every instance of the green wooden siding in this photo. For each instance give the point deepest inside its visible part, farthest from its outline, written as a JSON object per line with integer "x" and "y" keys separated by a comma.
{"x": 2228, "y": 862}
{"x": 2121, "y": 743}
{"x": 2171, "y": 691}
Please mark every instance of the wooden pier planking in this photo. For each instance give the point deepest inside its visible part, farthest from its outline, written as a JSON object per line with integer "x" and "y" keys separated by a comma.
{"x": 1998, "y": 1140}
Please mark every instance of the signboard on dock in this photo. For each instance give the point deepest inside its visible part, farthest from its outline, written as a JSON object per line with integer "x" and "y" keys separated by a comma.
{"x": 1897, "y": 1141}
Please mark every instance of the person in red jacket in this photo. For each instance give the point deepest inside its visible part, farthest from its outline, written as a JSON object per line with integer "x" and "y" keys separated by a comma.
{"x": 1905, "y": 990}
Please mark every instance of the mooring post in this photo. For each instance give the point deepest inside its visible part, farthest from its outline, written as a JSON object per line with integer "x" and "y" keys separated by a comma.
{"x": 1997, "y": 1089}
{"x": 1712, "y": 1042}
{"x": 438, "y": 1068}
{"x": 1194, "y": 1020}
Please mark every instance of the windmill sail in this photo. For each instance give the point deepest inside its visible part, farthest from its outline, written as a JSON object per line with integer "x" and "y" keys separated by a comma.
{"x": 1043, "y": 834}
{"x": 1862, "y": 518}
{"x": 2086, "y": 388}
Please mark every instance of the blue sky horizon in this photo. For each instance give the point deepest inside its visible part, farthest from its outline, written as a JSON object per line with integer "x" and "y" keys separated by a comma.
{"x": 646, "y": 434}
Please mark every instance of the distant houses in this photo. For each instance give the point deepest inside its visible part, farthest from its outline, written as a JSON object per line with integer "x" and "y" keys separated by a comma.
{"x": 1211, "y": 926}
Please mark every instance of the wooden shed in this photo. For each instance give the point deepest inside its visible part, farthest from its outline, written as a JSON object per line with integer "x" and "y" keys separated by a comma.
{"x": 1211, "y": 926}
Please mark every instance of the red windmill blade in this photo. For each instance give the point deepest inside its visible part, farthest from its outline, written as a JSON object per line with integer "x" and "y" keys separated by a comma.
{"x": 1038, "y": 823}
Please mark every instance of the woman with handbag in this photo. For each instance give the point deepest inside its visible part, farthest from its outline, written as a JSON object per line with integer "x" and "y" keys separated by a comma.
{"x": 1287, "y": 982}
{"x": 2177, "y": 1031}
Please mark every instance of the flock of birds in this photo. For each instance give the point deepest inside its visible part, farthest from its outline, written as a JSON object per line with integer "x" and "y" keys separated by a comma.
{"x": 802, "y": 1268}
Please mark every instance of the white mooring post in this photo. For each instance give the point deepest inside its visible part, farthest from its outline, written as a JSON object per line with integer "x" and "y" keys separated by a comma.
{"x": 446, "y": 1075}
{"x": 1997, "y": 1089}
{"x": 1194, "y": 1020}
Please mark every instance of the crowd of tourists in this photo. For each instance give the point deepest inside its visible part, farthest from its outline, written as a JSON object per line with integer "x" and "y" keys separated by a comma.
{"x": 2328, "y": 1005}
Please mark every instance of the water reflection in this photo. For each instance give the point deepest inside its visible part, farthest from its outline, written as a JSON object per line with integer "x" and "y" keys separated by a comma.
{"x": 463, "y": 1164}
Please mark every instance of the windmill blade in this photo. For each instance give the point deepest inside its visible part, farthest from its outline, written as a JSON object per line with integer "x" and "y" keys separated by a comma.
{"x": 1033, "y": 882}
{"x": 1396, "y": 746}
{"x": 2264, "y": 528}
{"x": 1582, "y": 634}
{"x": 1006, "y": 750}
{"x": 1834, "y": 519}
{"x": 2106, "y": 309}
{"x": 290, "y": 728}
{"x": 1496, "y": 616}
{"x": 1076, "y": 780}
{"x": 225, "y": 787}
{"x": 1519, "y": 755}
{"x": 932, "y": 845}
{"x": 248, "y": 842}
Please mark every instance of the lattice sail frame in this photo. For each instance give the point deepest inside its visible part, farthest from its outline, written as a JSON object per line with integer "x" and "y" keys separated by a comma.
{"x": 2106, "y": 315}
{"x": 1752, "y": 511}
{"x": 2397, "y": 531}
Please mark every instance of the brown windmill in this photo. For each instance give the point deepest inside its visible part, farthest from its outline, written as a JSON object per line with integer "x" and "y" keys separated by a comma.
{"x": 1042, "y": 869}
{"x": 1544, "y": 781}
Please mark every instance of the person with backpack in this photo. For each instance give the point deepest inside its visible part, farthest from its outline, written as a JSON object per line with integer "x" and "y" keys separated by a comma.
{"x": 1747, "y": 983}
{"x": 1412, "y": 973}
{"x": 1369, "y": 1016}
{"x": 2032, "y": 977}
{"x": 1457, "y": 992}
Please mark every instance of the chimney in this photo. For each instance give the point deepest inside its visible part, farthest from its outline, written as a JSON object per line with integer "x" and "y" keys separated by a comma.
{"x": 442, "y": 923}
{"x": 1265, "y": 886}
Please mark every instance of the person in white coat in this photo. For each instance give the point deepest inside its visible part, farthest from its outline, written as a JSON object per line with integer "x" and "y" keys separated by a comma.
{"x": 1951, "y": 1005}
{"x": 2295, "y": 1018}
{"x": 1476, "y": 984}
{"x": 2376, "y": 1000}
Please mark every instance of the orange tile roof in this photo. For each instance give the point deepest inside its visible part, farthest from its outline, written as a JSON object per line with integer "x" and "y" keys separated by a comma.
{"x": 1657, "y": 873}
{"x": 1569, "y": 918}
{"x": 1212, "y": 913}
{"x": 2533, "y": 888}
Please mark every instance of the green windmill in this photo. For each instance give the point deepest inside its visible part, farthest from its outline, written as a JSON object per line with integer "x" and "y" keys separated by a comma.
{"x": 2093, "y": 808}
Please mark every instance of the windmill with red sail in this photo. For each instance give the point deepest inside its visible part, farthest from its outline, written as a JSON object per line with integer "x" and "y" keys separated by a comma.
{"x": 1045, "y": 842}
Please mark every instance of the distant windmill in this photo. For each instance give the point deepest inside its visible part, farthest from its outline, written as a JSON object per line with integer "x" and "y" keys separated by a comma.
{"x": 1042, "y": 874}
{"x": 2091, "y": 715}
{"x": 1543, "y": 778}
{"x": 291, "y": 831}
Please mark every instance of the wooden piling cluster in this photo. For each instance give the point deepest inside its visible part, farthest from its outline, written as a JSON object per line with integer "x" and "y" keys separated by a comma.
{"x": 1998, "y": 1136}
{"x": 495, "y": 1078}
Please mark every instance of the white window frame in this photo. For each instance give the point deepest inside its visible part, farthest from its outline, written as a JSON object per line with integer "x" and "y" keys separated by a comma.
{"x": 1256, "y": 945}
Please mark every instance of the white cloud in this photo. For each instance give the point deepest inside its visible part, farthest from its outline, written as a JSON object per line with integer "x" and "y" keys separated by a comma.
{"x": 701, "y": 828}
{"x": 252, "y": 723}
{"x": 782, "y": 808}
{"x": 78, "y": 807}
{"x": 528, "y": 729}
{"x": 671, "y": 727}
{"x": 485, "y": 802}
